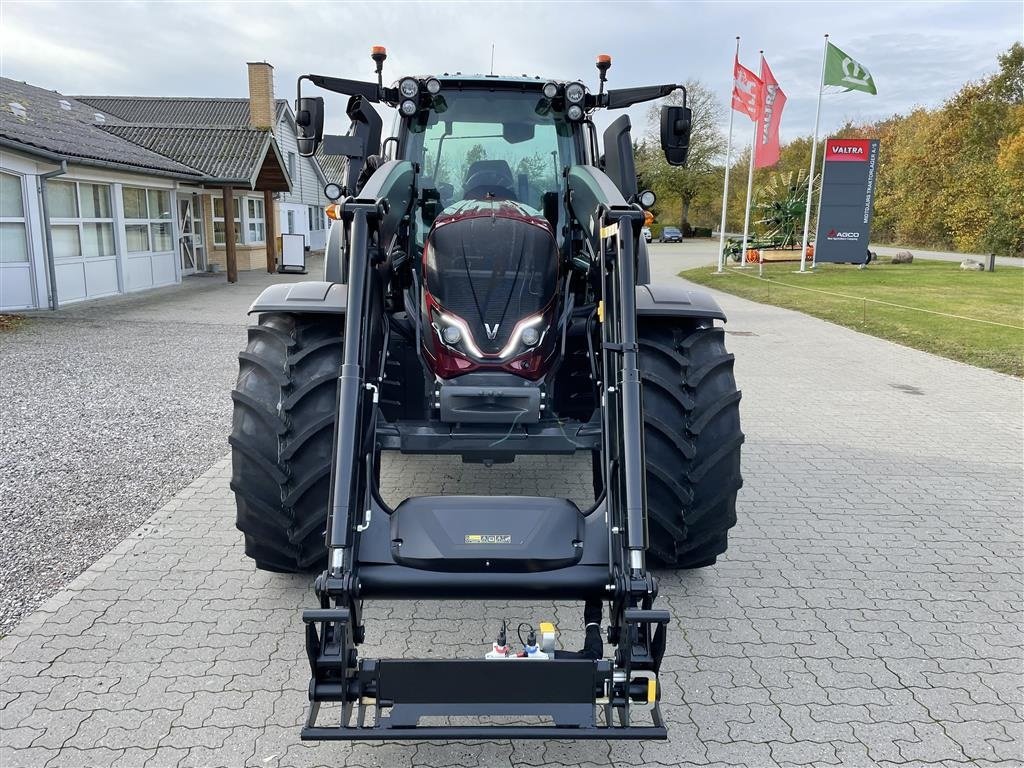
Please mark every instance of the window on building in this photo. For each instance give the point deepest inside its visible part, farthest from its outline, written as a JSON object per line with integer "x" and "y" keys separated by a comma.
{"x": 81, "y": 219}
{"x": 257, "y": 221}
{"x": 218, "y": 220}
{"x": 147, "y": 220}
{"x": 62, "y": 199}
{"x": 316, "y": 218}
{"x": 291, "y": 166}
{"x": 13, "y": 236}
{"x": 291, "y": 222}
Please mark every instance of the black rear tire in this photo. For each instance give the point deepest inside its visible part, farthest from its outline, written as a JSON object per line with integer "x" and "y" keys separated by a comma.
{"x": 692, "y": 441}
{"x": 281, "y": 438}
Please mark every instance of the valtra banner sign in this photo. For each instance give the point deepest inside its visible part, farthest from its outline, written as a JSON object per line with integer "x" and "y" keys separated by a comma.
{"x": 766, "y": 146}
{"x": 747, "y": 91}
{"x": 847, "y": 201}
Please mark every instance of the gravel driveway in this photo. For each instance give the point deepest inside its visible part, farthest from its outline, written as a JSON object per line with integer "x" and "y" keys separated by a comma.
{"x": 108, "y": 409}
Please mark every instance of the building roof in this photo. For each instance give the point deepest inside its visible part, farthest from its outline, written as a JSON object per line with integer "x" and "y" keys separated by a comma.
{"x": 333, "y": 166}
{"x": 169, "y": 110}
{"x": 224, "y": 155}
{"x": 206, "y": 140}
{"x": 51, "y": 125}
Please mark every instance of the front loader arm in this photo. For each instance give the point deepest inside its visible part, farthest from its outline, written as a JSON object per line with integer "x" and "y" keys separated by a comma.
{"x": 385, "y": 201}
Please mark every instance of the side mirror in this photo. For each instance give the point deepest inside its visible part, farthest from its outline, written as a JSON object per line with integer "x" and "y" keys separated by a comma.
{"x": 675, "y": 133}
{"x": 309, "y": 118}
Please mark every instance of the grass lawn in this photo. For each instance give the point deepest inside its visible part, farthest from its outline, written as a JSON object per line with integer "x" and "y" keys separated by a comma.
{"x": 938, "y": 286}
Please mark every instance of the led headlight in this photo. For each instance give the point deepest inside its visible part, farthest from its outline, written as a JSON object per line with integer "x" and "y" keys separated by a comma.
{"x": 574, "y": 93}
{"x": 451, "y": 321}
{"x": 574, "y": 112}
{"x": 531, "y": 336}
{"x": 451, "y": 335}
{"x": 433, "y": 86}
{"x": 550, "y": 90}
{"x": 519, "y": 335}
{"x": 408, "y": 87}
{"x": 408, "y": 108}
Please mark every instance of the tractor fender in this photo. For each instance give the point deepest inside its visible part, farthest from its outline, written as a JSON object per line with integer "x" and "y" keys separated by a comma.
{"x": 310, "y": 296}
{"x": 675, "y": 300}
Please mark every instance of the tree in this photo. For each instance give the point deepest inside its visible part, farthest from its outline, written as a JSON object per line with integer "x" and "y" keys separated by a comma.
{"x": 1008, "y": 83}
{"x": 683, "y": 185}
{"x": 950, "y": 177}
{"x": 475, "y": 153}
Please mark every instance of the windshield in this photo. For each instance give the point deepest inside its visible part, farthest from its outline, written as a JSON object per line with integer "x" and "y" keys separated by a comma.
{"x": 492, "y": 144}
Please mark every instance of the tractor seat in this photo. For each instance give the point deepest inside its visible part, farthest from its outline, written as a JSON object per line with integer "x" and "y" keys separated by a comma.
{"x": 489, "y": 179}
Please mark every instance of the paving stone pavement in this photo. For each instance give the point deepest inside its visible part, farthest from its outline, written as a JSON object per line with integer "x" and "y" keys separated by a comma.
{"x": 868, "y": 612}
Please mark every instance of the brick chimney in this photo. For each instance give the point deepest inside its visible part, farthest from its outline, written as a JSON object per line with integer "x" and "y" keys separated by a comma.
{"x": 261, "y": 94}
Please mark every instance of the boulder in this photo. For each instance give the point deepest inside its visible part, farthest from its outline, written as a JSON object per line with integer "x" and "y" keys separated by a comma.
{"x": 903, "y": 257}
{"x": 972, "y": 265}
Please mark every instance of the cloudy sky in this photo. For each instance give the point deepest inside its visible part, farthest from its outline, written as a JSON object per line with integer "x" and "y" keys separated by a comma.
{"x": 919, "y": 52}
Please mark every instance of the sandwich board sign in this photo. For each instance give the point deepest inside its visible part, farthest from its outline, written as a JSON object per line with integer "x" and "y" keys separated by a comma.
{"x": 847, "y": 200}
{"x": 293, "y": 254}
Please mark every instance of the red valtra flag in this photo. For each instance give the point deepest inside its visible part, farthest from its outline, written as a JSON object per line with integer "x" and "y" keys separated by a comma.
{"x": 746, "y": 91}
{"x": 766, "y": 148}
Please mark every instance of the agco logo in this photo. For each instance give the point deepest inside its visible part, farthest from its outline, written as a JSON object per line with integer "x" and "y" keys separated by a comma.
{"x": 834, "y": 235}
{"x": 488, "y": 538}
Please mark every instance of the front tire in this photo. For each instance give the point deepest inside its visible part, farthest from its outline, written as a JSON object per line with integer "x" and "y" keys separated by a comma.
{"x": 692, "y": 441}
{"x": 282, "y": 435}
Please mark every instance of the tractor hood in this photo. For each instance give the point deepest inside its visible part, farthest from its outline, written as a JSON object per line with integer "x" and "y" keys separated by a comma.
{"x": 493, "y": 264}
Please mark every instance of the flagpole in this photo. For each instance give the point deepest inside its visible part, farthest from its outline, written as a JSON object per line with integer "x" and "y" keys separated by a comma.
{"x": 814, "y": 157}
{"x": 750, "y": 177}
{"x": 750, "y": 187}
{"x": 725, "y": 187}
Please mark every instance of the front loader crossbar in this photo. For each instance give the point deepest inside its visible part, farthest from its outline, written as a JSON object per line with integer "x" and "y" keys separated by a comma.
{"x": 388, "y": 699}
{"x": 549, "y": 436}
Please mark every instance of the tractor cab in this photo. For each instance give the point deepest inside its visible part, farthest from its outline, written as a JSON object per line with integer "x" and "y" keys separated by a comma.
{"x": 493, "y": 156}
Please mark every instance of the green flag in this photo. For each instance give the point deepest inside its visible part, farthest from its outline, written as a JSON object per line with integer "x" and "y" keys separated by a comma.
{"x": 843, "y": 71}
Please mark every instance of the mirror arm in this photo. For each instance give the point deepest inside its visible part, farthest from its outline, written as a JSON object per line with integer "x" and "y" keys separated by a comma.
{"x": 369, "y": 91}
{"x": 625, "y": 97}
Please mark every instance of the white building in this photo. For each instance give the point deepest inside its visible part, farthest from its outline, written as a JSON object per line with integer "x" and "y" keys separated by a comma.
{"x": 135, "y": 189}
{"x": 300, "y": 211}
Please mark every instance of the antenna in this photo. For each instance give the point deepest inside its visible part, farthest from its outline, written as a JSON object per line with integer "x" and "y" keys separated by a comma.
{"x": 492, "y": 58}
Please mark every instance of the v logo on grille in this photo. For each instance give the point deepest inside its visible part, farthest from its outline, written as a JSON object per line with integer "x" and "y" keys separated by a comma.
{"x": 492, "y": 330}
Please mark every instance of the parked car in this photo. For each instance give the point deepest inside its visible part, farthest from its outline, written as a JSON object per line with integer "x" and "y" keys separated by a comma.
{"x": 671, "y": 235}
{"x": 646, "y": 233}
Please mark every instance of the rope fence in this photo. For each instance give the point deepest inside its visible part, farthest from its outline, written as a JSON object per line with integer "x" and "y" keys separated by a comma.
{"x": 874, "y": 301}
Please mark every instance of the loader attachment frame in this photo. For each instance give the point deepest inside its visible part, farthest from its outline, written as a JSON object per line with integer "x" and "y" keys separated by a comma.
{"x": 584, "y": 695}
